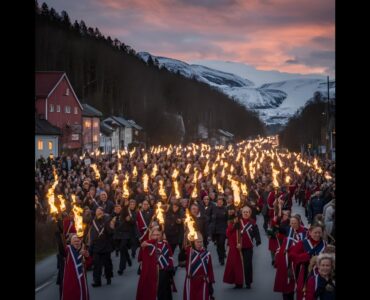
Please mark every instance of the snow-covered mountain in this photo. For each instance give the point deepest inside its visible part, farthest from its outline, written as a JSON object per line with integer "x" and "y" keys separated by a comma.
{"x": 275, "y": 102}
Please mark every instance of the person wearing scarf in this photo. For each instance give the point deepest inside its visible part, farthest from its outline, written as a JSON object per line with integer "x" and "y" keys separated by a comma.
{"x": 284, "y": 279}
{"x": 321, "y": 284}
{"x": 241, "y": 233}
{"x": 74, "y": 278}
{"x": 301, "y": 254}
{"x": 199, "y": 277}
{"x": 157, "y": 268}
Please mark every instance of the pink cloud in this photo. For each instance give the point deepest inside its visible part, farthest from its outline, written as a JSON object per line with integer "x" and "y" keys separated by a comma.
{"x": 263, "y": 33}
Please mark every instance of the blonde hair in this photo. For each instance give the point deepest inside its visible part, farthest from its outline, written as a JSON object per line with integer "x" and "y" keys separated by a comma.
{"x": 329, "y": 256}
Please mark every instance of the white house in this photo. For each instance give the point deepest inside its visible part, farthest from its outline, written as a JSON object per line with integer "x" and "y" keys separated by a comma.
{"x": 46, "y": 139}
{"x": 124, "y": 131}
{"x": 106, "y": 138}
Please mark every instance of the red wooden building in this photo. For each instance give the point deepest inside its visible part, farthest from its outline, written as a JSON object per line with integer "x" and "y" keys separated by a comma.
{"x": 57, "y": 103}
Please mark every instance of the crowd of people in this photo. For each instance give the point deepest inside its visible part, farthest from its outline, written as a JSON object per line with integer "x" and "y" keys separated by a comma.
{"x": 137, "y": 204}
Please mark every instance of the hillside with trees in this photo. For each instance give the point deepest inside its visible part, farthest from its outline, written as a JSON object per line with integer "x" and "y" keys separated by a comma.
{"x": 107, "y": 74}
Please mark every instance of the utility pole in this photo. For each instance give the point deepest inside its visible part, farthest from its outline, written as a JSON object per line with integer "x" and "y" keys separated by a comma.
{"x": 327, "y": 123}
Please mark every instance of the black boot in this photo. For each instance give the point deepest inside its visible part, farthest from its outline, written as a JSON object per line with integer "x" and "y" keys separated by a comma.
{"x": 109, "y": 281}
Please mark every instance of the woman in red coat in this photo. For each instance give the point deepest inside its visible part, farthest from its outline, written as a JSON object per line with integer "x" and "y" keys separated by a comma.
{"x": 301, "y": 254}
{"x": 156, "y": 276}
{"x": 74, "y": 278}
{"x": 199, "y": 272}
{"x": 284, "y": 279}
{"x": 239, "y": 259}
{"x": 321, "y": 285}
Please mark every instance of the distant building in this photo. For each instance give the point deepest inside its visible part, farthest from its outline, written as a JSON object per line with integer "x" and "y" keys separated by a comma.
{"x": 224, "y": 137}
{"x": 46, "y": 139}
{"x": 57, "y": 103}
{"x": 106, "y": 138}
{"x": 90, "y": 127}
{"x": 125, "y": 132}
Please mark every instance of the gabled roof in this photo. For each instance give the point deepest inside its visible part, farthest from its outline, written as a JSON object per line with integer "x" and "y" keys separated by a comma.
{"x": 225, "y": 133}
{"x": 89, "y": 111}
{"x": 132, "y": 122}
{"x": 120, "y": 121}
{"x": 123, "y": 121}
{"x": 106, "y": 129}
{"x": 43, "y": 127}
{"x": 47, "y": 81}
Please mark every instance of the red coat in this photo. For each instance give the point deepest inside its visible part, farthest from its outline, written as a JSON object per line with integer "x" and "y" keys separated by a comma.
{"x": 234, "y": 264}
{"x": 284, "y": 280}
{"x": 273, "y": 242}
{"x": 199, "y": 274}
{"x": 300, "y": 254}
{"x": 270, "y": 204}
{"x": 150, "y": 257}
{"x": 68, "y": 227}
{"x": 74, "y": 278}
{"x": 142, "y": 227}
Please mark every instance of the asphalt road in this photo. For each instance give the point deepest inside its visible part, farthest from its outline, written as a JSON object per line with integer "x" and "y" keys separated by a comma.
{"x": 124, "y": 287}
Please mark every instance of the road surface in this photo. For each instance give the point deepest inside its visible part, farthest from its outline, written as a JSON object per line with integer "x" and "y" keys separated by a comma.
{"x": 124, "y": 287}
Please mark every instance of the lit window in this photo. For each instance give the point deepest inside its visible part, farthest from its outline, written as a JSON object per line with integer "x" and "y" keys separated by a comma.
{"x": 50, "y": 145}
{"x": 40, "y": 145}
{"x": 67, "y": 109}
{"x": 51, "y": 107}
{"x": 67, "y": 92}
{"x": 76, "y": 110}
{"x": 87, "y": 124}
{"x": 95, "y": 138}
{"x": 58, "y": 108}
{"x": 96, "y": 124}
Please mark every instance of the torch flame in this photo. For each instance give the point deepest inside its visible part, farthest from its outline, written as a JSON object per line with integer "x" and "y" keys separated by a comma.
{"x": 126, "y": 191}
{"x": 134, "y": 172}
{"x": 236, "y": 192}
{"x": 187, "y": 170}
{"x": 159, "y": 213}
{"x": 154, "y": 171}
{"x": 189, "y": 223}
{"x": 194, "y": 193}
{"x": 96, "y": 171}
{"x": 161, "y": 190}
{"x": 177, "y": 190}
{"x": 145, "y": 182}
{"x": 244, "y": 189}
{"x": 219, "y": 188}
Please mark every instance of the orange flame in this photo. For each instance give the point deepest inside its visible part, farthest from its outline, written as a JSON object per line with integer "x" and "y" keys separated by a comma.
{"x": 187, "y": 170}
{"x": 189, "y": 223}
{"x": 134, "y": 172}
{"x": 236, "y": 192}
{"x": 154, "y": 171}
{"x": 177, "y": 191}
{"x": 145, "y": 182}
{"x": 159, "y": 213}
{"x": 96, "y": 171}
{"x": 161, "y": 190}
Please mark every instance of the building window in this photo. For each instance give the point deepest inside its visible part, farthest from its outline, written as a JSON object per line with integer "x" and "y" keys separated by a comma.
{"x": 75, "y": 137}
{"x": 51, "y": 107}
{"x": 67, "y": 92}
{"x": 40, "y": 145}
{"x": 96, "y": 124}
{"x": 58, "y": 108}
{"x": 67, "y": 109}
{"x": 95, "y": 138}
{"x": 50, "y": 145}
{"x": 76, "y": 110}
{"x": 87, "y": 124}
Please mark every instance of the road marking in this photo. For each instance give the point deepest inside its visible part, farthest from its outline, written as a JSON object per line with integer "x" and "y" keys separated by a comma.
{"x": 43, "y": 285}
